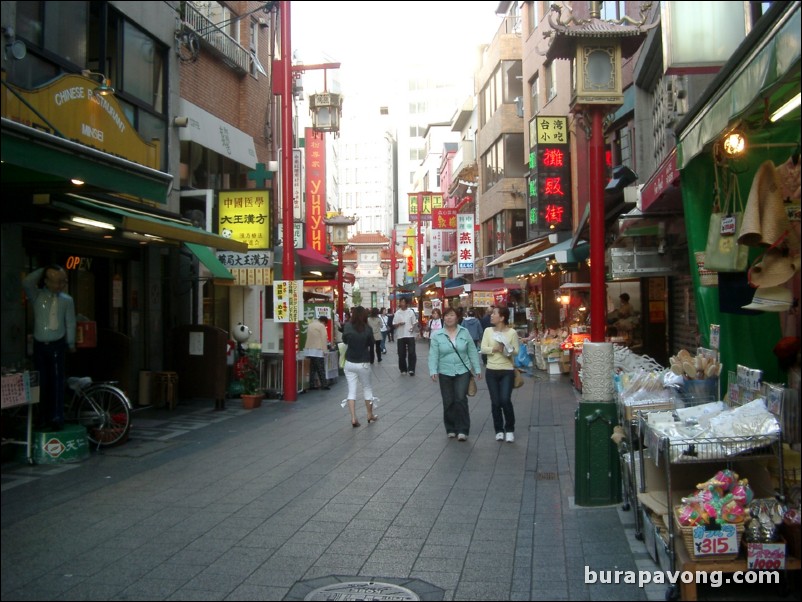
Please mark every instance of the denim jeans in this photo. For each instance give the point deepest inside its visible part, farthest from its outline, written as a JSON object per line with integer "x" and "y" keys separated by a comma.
{"x": 499, "y": 384}
{"x": 454, "y": 391}
{"x": 50, "y": 360}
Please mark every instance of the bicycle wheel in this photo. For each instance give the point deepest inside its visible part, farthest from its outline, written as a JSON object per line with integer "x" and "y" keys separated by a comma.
{"x": 105, "y": 412}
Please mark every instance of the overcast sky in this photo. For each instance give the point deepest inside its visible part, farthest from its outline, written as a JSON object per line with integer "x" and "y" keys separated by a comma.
{"x": 372, "y": 40}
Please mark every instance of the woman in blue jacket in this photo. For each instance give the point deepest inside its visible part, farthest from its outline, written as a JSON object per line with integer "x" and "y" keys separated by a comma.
{"x": 452, "y": 359}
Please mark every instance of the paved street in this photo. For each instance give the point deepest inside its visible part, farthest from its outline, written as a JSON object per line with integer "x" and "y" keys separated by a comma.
{"x": 270, "y": 503}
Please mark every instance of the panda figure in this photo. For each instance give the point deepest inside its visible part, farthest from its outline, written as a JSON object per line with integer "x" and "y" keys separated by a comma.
{"x": 227, "y": 233}
{"x": 241, "y": 334}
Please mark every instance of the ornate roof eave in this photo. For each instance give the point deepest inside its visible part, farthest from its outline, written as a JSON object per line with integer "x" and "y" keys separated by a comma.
{"x": 567, "y": 31}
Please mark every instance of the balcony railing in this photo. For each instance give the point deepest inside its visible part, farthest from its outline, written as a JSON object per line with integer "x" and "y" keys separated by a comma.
{"x": 217, "y": 40}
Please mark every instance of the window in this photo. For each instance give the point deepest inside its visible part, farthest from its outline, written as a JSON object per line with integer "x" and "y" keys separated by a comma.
{"x": 256, "y": 66}
{"x": 502, "y": 159}
{"x": 534, "y": 91}
{"x": 143, "y": 76}
{"x": 58, "y": 27}
{"x": 504, "y": 86}
{"x": 612, "y": 11}
{"x": 551, "y": 87}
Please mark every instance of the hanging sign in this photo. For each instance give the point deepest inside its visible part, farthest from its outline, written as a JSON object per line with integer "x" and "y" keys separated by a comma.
{"x": 244, "y": 215}
{"x": 288, "y": 300}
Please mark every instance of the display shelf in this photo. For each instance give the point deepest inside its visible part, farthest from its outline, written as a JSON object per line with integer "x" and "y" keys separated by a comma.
{"x": 691, "y": 456}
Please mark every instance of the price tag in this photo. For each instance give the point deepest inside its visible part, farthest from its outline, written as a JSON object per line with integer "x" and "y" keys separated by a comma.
{"x": 715, "y": 336}
{"x": 765, "y": 556}
{"x": 721, "y": 541}
{"x": 728, "y": 225}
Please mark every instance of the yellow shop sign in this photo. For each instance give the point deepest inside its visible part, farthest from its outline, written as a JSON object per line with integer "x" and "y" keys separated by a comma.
{"x": 69, "y": 106}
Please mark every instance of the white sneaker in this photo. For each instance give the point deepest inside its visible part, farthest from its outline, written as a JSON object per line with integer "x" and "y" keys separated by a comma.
{"x": 462, "y": 437}
{"x": 452, "y": 435}
{"x": 499, "y": 436}
{"x": 510, "y": 437}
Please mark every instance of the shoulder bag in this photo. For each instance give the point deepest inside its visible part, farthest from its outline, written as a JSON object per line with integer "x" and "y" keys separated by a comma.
{"x": 472, "y": 382}
{"x": 723, "y": 253}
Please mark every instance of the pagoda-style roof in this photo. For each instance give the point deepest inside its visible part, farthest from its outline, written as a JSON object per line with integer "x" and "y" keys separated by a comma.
{"x": 568, "y": 30}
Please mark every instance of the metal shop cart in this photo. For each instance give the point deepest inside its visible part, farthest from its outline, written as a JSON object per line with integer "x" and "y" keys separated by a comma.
{"x": 271, "y": 372}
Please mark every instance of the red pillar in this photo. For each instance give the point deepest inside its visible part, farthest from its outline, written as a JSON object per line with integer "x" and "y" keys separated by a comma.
{"x": 340, "y": 292}
{"x": 288, "y": 259}
{"x": 393, "y": 273}
{"x": 598, "y": 290}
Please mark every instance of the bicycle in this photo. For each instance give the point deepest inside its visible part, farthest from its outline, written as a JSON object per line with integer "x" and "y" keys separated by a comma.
{"x": 100, "y": 407}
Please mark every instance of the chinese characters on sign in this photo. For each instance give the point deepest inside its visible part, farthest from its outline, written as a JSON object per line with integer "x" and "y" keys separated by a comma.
{"x": 254, "y": 268}
{"x": 428, "y": 202}
{"x": 288, "y": 301}
{"x": 444, "y": 219}
{"x": 315, "y": 191}
{"x": 549, "y": 203}
{"x": 465, "y": 244}
{"x": 244, "y": 215}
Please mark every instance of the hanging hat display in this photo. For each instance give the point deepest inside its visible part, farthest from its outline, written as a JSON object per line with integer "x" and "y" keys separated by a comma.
{"x": 773, "y": 299}
{"x": 765, "y": 220}
{"x": 775, "y": 268}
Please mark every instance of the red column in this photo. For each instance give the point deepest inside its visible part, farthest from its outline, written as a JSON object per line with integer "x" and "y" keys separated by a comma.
{"x": 598, "y": 290}
{"x": 287, "y": 263}
{"x": 393, "y": 273}
{"x": 340, "y": 292}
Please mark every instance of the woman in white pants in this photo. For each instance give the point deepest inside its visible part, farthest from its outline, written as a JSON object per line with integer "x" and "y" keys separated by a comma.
{"x": 359, "y": 338}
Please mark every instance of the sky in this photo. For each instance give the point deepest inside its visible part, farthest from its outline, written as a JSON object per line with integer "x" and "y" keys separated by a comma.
{"x": 372, "y": 40}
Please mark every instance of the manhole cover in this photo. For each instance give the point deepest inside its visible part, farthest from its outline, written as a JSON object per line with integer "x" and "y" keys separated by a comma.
{"x": 361, "y": 590}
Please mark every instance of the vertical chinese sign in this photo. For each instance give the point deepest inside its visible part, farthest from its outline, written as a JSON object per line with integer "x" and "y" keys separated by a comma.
{"x": 315, "y": 191}
{"x": 244, "y": 215}
{"x": 288, "y": 300}
{"x": 549, "y": 202}
{"x": 444, "y": 231}
{"x": 465, "y": 244}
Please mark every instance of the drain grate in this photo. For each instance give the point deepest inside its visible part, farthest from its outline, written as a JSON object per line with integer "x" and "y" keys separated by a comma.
{"x": 546, "y": 476}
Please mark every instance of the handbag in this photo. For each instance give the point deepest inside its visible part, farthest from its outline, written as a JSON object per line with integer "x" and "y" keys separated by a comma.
{"x": 472, "y": 388}
{"x": 519, "y": 379}
{"x": 722, "y": 252}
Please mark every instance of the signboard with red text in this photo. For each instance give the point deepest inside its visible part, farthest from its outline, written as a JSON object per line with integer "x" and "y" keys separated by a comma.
{"x": 549, "y": 202}
{"x": 466, "y": 248}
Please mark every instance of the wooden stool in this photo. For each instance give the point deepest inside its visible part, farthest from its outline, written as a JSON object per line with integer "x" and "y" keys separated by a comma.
{"x": 165, "y": 389}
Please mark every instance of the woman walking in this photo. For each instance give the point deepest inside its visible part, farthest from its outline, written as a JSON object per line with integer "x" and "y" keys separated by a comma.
{"x": 452, "y": 359}
{"x": 358, "y": 336}
{"x": 500, "y": 344}
{"x": 375, "y": 324}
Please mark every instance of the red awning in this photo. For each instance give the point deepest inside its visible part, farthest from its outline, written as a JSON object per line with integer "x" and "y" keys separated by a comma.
{"x": 311, "y": 258}
{"x": 493, "y": 285}
{"x": 661, "y": 192}
{"x": 455, "y": 291}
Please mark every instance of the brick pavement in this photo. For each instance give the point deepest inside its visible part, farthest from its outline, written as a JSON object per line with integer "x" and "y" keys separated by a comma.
{"x": 244, "y": 505}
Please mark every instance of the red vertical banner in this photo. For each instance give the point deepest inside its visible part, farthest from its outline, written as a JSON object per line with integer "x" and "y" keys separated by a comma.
{"x": 315, "y": 191}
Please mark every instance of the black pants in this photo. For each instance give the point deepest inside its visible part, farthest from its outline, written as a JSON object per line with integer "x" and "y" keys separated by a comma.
{"x": 376, "y": 351}
{"x": 407, "y": 356}
{"x": 317, "y": 366}
{"x": 50, "y": 359}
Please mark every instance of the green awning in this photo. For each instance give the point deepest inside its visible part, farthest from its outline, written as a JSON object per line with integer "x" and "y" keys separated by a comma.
{"x": 31, "y": 156}
{"x": 565, "y": 252}
{"x": 431, "y": 277}
{"x": 765, "y": 71}
{"x": 524, "y": 268}
{"x": 208, "y": 258}
{"x": 173, "y": 229}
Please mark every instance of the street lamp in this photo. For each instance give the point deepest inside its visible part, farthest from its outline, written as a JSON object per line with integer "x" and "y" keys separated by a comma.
{"x": 597, "y": 49}
{"x": 442, "y": 271}
{"x": 339, "y": 238}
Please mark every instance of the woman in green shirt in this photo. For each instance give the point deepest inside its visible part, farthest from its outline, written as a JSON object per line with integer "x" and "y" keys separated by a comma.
{"x": 452, "y": 359}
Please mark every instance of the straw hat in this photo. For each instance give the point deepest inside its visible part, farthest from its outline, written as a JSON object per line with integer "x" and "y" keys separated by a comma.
{"x": 765, "y": 220}
{"x": 775, "y": 268}
{"x": 775, "y": 299}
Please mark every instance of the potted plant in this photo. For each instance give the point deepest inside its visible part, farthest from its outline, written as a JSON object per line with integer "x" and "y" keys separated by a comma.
{"x": 248, "y": 373}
